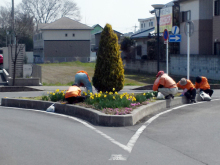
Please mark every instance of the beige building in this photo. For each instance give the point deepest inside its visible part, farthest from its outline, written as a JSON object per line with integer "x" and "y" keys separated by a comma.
{"x": 63, "y": 40}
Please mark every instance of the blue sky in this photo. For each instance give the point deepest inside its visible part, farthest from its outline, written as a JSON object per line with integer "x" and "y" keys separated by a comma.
{"x": 123, "y": 15}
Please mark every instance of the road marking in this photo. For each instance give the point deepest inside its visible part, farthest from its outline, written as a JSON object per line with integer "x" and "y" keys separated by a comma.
{"x": 133, "y": 139}
{"x": 118, "y": 157}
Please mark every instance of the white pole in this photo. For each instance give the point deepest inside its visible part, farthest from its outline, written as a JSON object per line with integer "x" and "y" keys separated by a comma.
{"x": 167, "y": 56}
{"x": 188, "y": 50}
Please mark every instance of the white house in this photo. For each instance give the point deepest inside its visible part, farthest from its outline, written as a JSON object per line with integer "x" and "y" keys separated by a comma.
{"x": 63, "y": 40}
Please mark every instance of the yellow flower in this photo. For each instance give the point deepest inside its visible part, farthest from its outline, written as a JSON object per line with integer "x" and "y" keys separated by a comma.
{"x": 90, "y": 97}
{"x": 116, "y": 93}
{"x": 88, "y": 91}
{"x": 100, "y": 92}
{"x": 57, "y": 90}
{"x": 105, "y": 95}
{"x": 106, "y": 92}
{"x": 113, "y": 89}
{"x": 63, "y": 94}
{"x": 113, "y": 97}
{"x": 48, "y": 92}
{"x": 85, "y": 94}
{"x": 130, "y": 97}
{"x": 132, "y": 94}
{"x": 53, "y": 93}
{"x": 144, "y": 94}
{"x": 121, "y": 97}
{"x": 99, "y": 95}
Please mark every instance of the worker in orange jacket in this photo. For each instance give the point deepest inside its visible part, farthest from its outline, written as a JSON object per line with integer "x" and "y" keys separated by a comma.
{"x": 165, "y": 84}
{"x": 73, "y": 94}
{"x": 190, "y": 89}
{"x": 203, "y": 85}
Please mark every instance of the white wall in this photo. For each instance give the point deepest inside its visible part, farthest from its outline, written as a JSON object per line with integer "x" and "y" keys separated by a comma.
{"x": 60, "y": 35}
{"x": 30, "y": 57}
{"x": 5, "y": 58}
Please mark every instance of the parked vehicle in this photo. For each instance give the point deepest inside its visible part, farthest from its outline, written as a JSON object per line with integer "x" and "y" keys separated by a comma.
{"x": 1, "y": 59}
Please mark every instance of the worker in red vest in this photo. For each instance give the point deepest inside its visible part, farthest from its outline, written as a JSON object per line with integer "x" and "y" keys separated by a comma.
{"x": 73, "y": 94}
{"x": 203, "y": 85}
{"x": 189, "y": 88}
{"x": 165, "y": 84}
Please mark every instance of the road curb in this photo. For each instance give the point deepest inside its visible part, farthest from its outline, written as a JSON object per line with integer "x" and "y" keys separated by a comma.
{"x": 94, "y": 116}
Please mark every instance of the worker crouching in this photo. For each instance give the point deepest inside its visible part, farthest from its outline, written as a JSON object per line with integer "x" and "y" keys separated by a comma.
{"x": 189, "y": 89}
{"x": 73, "y": 94}
{"x": 165, "y": 84}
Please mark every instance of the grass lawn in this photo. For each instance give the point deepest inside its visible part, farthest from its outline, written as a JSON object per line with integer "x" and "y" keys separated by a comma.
{"x": 63, "y": 74}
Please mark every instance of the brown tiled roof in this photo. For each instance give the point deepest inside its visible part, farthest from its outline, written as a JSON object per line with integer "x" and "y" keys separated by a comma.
{"x": 65, "y": 23}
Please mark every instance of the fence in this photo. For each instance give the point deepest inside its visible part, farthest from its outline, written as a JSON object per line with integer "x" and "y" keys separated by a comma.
{"x": 68, "y": 59}
{"x": 200, "y": 65}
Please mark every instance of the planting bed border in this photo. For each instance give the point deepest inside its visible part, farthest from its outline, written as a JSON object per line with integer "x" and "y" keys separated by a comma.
{"x": 94, "y": 116}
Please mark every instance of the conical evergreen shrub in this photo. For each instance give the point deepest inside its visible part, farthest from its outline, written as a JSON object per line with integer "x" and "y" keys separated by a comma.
{"x": 109, "y": 70}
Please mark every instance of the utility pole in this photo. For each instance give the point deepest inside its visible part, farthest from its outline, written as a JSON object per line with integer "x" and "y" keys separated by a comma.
{"x": 135, "y": 28}
{"x": 13, "y": 28}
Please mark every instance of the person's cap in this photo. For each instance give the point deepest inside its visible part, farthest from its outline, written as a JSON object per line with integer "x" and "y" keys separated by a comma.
{"x": 183, "y": 81}
{"x": 198, "y": 79}
{"x": 160, "y": 73}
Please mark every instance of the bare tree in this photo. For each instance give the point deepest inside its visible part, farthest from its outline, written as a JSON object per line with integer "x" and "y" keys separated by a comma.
{"x": 46, "y": 11}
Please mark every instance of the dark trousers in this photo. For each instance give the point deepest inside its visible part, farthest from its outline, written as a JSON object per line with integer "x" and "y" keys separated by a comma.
{"x": 77, "y": 99}
{"x": 191, "y": 94}
{"x": 208, "y": 91}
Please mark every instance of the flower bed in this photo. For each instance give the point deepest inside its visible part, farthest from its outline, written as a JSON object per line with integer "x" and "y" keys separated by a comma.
{"x": 111, "y": 103}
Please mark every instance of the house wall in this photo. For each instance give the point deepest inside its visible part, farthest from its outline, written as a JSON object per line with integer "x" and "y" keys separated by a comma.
{"x": 60, "y": 34}
{"x": 205, "y": 26}
{"x": 192, "y": 5}
{"x": 143, "y": 44}
{"x": 66, "y": 49}
{"x": 216, "y": 30}
{"x": 201, "y": 15}
{"x": 145, "y": 23}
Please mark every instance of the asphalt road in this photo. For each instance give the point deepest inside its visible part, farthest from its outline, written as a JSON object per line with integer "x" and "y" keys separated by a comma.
{"x": 185, "y": 135}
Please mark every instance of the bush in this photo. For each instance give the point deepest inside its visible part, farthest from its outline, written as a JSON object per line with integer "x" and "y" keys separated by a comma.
{"x": 109, "y": 71}
{"x": 55, "y": 96}
{"x": 114, "y": 100}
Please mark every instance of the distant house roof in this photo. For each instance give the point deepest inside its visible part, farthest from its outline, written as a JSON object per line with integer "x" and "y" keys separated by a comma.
{"x": 96, "y": 25}
{"x": 113, "y": 30}
{"x": 142, "y": 34}
{"x": 65, "y": 23}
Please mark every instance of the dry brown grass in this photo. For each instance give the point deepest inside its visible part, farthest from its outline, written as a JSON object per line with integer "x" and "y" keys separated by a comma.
{"x": 64, "y": 74}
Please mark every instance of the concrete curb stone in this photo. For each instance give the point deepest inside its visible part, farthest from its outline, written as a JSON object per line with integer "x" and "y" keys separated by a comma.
{"x": 94, "y": 116}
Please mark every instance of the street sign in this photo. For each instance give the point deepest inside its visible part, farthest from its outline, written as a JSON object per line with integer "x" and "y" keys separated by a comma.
{"x": 175, "y": 38}
{"x": 165, "y": 35}
{"x": 175, "y": 30}
{"x": 166, "y": 42}
{"x": 191, "y": 28}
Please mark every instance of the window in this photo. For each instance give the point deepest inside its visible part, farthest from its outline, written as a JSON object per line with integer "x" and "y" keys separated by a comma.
{"x": 152, "y": 24}
{"x": 217, "y": 7}
{"x": 149, "y": 24}
{"x": 186, "y": 16}
{"x": 141, "y": 25}
{"x": 73, "y": 35}
{"x": 217, "y": 48}
{"x": 66, "y": 35}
